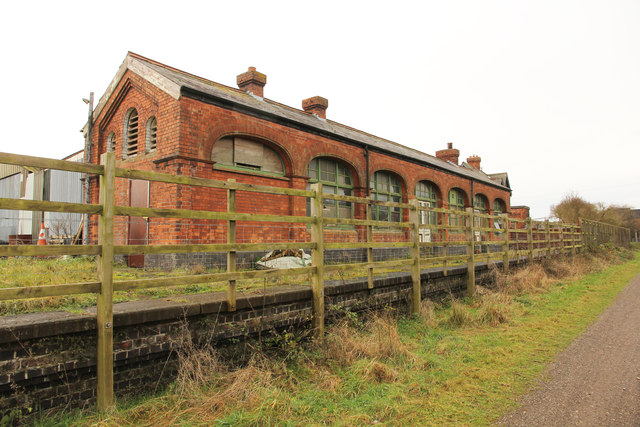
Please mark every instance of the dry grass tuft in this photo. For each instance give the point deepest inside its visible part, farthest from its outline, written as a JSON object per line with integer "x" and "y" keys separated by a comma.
{"x": 529, "y": 279}
{"x": 460, "y": 315}
{"x": 494, "y": 309}
{"x": 380, "y": 373}
{"x": 428, "y": 313}
{"x": 378, "y": 339}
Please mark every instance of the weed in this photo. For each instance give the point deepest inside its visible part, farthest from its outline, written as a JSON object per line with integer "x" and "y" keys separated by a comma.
{"x": 380, "y": 373}
{"x": 428, "y": 313}
{"x": 494, "y": 309}
{"x": 460, "y": 315}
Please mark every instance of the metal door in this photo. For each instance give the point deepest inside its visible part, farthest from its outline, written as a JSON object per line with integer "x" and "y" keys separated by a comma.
{"x": 138, "y": 226}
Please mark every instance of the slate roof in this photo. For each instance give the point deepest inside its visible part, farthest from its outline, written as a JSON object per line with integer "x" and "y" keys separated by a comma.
{"x": 178, "y": 83}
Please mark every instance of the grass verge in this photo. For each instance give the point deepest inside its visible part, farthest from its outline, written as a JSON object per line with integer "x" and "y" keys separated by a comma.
{"x": 462, "y": 362}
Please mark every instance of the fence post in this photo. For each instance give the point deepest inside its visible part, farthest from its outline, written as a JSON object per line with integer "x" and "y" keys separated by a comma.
{"x": 104, "y": 309}
{"x": 231, "y": 255}
{"x": 445, "y": 238}
{"x": 416, "y": 295}
{"x": 369, "y": 230}
{"x": 317, "y": 260}
{"x": 574, "y": 232}
{"x": 505, "y": 256}
{"x": 471, "y": 261}
{"x": 547, "y": 237}
{"x": 530, "y": 238}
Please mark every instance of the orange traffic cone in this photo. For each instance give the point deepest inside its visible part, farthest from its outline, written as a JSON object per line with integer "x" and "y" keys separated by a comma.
{"x": 42, "y": 238}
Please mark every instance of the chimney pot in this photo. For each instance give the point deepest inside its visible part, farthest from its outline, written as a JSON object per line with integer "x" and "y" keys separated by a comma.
{"x": 474, "y": 161}
{"x": 316, "y": 105}
{"x": 451, "y": 154}
{"x": 252, "y": 81}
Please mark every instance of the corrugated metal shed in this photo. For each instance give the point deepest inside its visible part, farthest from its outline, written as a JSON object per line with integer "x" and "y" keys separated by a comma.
{"x": 8, "y": 170}
{"x": 39, "y": 184}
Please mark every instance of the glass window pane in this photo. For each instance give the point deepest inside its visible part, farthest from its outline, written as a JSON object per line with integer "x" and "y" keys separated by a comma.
{"x": 344, "y": 210}
{"x": 327, "y": 171}
{"x": 383, "y": 213}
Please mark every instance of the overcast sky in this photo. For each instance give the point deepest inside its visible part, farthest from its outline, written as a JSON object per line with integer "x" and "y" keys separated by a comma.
{"x": 548, "y": 91}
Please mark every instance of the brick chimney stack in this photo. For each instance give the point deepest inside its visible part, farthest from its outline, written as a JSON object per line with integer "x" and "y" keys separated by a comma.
{"x": 252, "y": 82}
{"x": 449, "y": 153}
{"x": 474, "y": 161}
{"x": 316, "y": 105}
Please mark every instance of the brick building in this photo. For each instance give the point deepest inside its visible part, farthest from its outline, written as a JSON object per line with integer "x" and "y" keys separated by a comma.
{"x": 155, "y": 117}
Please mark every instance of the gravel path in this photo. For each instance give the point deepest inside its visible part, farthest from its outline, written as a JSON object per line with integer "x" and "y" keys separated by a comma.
{"x": 596, "y": 381}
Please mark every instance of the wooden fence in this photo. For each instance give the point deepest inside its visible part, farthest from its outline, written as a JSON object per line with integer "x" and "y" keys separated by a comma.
{"x": 596, "y": 233}
{"x": 432, "y": 237}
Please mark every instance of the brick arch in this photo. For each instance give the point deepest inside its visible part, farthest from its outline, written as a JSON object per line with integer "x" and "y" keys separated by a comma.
{"x": 441, "y": 197}
{"x": 266, "y": 138}
{"x": 359, "y": 180}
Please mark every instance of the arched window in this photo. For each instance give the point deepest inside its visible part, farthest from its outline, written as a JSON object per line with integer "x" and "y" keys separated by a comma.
{"x": 456, "y": 199}
{"x": 246, "y": 154}
{"x": 481, "y": 205}
{"x": 498, "y": 209}
{"x": 456, "y": 202}
{"x": 387, "y": 187}
{"x": 152, "y": 134}
{"x": 336, "y": 179}
{"x": 131, "y": 134}
{"x": 111, "y": 142}
{"x": 427, "y": 195}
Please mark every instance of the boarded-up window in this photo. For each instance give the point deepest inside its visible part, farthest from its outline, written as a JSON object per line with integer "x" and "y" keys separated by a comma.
{"x": 246, "y": 154}
{"x": 222, "y": 151}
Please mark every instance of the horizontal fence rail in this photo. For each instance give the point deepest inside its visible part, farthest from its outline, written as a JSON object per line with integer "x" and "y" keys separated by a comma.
{"x": 429, "y": 236}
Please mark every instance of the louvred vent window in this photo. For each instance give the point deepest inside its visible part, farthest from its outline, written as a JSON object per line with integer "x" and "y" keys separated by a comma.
{"x": 132, "y": 134}
{"x": 152, "y": 132}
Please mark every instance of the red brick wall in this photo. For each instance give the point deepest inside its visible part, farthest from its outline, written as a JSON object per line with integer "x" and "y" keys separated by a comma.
{"x": 187, "y": 131}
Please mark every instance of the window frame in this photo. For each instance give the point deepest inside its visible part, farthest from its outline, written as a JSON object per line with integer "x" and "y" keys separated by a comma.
{"x": 481, "y": 206}
{"x": 431, "y": 200}
{"x": 336, "y": 186}
{"x": 459, "y": 205}
{"x": 377, "y": 192}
